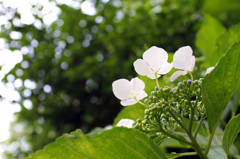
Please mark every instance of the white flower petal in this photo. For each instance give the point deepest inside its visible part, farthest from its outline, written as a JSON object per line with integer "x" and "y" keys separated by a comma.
{"x": 192, "y": 63}
{"x": 142, "y": 68}
{"x": 137, "y": 86}
{"x": 122, "y": 89}
{"x": 125, "y": 122}
{"x": 177, "y": 74}
{"x": 126, "y": 102}
{"x": 165, "y": 68}
{"x": 142, "y": 95}
{"x": 209, "y": 69}
{"x": 155, "y": 57}
{"x": 182, "y": 58}
{"x": 152, "y": 76}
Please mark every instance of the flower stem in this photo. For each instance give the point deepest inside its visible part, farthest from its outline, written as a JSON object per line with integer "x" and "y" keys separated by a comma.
{"x": 175, "y": 137}
{"x": 194, "y": 143}
{"x": 140, "y": 102}
{"x": 157, "y": 80}
{"x": 186, "y": 154}
{"x": 199, "y": 124}
{"x": 191, "y": 81}
{"x": 176, "y": 119}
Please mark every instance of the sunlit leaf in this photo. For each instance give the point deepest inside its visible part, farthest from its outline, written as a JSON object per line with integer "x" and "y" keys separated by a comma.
{"x": 118, "y": 142}
{"x": 207, "y": 35}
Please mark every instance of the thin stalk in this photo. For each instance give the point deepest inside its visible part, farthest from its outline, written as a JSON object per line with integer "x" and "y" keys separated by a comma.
{"x": 191, "y": 81}
{"x": 199, "y": 124}
{"x": 194, "y": 143}
{"x": 175, "y": 137}
{"x": 196, "y": 147}
{"x": 157, "y": 80}
{"x": 159, "y": 86}
{"x": 140, "y": 102}
{"x": 176, "y": 119}
{"x": 191, "y": 120}
{"x": 179, "y": 133}
{"x": 192, "y": 107}
{"x": 212, "y": 134}
{"x": 186, "y": 154}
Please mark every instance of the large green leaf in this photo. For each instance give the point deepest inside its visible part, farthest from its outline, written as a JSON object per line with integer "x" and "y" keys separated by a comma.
{"x": 207, "y": 35}
{"x": 225, "y": 42}
{"x": 219, "y": 85}
{"x": 130, "y": 112}
{"x": 231, "y": 131}
{"x": 119, "y": 142}
{"x": 221, "y": 6}
{"x": 217, "y": 153}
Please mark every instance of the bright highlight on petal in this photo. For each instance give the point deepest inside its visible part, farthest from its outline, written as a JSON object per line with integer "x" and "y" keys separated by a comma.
{"x": 129, "y": 91}
{"x": 183, "y": 59}
{"x": 125, "y": 122}
{"x": 154, "y": 62}
{"x": 209, "y": 69}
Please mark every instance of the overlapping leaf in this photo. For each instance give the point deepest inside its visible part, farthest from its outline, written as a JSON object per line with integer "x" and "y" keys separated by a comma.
{"x": 119, "y": 143}
{"x": 231, "y": 131}
{"x": 219, "y": 86}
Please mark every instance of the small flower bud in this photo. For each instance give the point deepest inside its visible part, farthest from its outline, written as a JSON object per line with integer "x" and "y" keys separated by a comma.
{"x": 156, "y": 88}
{"x": 189, "y": 81}
{"x": 180, "y": 84}
{"x": 173, "y": 90}
{"x": 146, "y": 111}
{"x": 139, "y": 120}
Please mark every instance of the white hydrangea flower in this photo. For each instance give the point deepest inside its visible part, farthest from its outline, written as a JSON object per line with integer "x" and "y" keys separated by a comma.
{"x": 129, "y": 92}
{"x": 154, "y": 63}
{"x": 125, "y": 122}
{"x": 209, "y": 69}
{"x": 183, "y": 59}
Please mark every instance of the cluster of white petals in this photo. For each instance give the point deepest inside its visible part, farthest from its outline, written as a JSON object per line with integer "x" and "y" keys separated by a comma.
{"x": 129, "y": 91}
{"x": 183, "y": 59}
{"x": 209, "y": 69}
{"x": 125, "y": 122}
{"x": 154, "y": 63}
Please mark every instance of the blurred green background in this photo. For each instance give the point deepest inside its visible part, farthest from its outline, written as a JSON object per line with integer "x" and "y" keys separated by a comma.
{"x": 69, "y": 64}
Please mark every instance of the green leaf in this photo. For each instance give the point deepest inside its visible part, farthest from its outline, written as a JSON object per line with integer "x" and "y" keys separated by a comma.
{"x": 225, "y": 42}
{"x": 217, "y": 153}
{"x": 130, "y": 112}
{"x": 203, "y": 130}
{"x": 207, "y": 35}
{"x": 95, "y": 131}
{"x": 231, "y": 131}
{"x": 118, "y": 142}
{"x": 221, "y": 6}
{"x": 218, "y": 86}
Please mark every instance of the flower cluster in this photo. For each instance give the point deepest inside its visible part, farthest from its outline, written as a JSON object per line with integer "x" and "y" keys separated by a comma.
{"x": 163, "y": 103}
{"x": 167, "y": 105}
